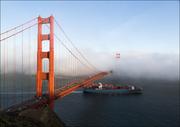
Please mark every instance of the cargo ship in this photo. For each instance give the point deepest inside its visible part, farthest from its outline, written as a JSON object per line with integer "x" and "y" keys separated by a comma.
{"x": 100, "y": 88}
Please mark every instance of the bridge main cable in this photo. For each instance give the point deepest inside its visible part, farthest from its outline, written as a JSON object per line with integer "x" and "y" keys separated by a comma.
{"x": 17, "y": 32}
{"x": 18, "y": 26}
{"x": 59, "y": 26}
{"x": 70, "y": 50}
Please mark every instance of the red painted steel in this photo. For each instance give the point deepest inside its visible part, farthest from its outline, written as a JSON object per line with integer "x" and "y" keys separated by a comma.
{"x": 50, "y": 75}
{"x": 51, "y": 59}
{"x": 59, "y": 93}
{"x": 53, "y": 94}
{"x": 50, "y": 55}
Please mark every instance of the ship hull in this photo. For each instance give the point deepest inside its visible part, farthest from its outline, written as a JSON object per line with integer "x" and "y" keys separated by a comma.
{"x": 113, "y": 91}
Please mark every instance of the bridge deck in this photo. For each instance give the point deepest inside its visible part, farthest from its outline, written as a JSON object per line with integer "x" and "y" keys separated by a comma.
{"x": 37, "y": 102}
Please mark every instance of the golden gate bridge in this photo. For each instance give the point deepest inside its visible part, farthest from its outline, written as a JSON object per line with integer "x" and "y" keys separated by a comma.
{"x": 40, "y": 63}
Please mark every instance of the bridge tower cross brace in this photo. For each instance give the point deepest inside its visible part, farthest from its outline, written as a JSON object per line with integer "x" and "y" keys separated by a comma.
{"x": 41, "y": 55}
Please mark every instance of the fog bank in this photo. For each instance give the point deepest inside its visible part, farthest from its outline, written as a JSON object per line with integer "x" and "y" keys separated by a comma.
{"x": 139, "y": 65}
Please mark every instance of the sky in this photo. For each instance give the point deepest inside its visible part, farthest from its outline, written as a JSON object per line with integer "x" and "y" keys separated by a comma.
{"x": 146, "y": 33}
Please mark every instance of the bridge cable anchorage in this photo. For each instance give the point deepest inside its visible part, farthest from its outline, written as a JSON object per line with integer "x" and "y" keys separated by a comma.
{"x": 60, "y": 27}
{"x": 70, "y": 50}
{"x": 18, "y": 32}
{"x": 19, "y": 26}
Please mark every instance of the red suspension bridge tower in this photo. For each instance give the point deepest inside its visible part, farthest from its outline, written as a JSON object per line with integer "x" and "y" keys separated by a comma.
{"x": 48, "y": 54}
{"x": 41, "y": 74}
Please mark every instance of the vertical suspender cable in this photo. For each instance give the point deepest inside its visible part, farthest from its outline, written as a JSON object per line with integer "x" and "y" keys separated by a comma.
{"x": 14, "y": 69}
{"x": 4, "y": 75}
{"x": 28, "y": 65}
{"x": 59, "y": 65}
{"x": 7, "y": 73}
{"x": 0, "y": 74}
{"x": 22, "y": 66}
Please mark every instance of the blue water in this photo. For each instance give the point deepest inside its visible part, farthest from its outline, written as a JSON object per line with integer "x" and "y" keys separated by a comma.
{"x": 158, "y": 106}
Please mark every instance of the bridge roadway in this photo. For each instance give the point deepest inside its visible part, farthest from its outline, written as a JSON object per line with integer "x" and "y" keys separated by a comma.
{"x": 37, "y": 102}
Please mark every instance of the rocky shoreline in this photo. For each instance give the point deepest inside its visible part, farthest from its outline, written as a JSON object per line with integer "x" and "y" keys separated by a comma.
{"x": 41, "y": 117}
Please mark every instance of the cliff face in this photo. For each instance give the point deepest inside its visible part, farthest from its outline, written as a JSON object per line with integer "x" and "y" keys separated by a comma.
{"x": 42, "y": 117}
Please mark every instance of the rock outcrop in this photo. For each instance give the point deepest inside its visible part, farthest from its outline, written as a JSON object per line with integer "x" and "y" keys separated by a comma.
{"x": 42, "y": 117}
